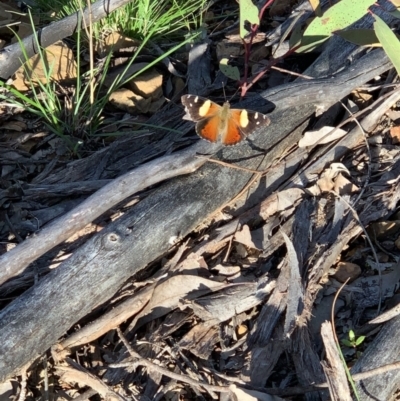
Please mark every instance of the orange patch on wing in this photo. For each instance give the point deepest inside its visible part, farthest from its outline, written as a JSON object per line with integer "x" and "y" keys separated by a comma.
{"x": 213, "y": 109}
{"x": 209, "y": 129}
{"x": 233, "y": 134}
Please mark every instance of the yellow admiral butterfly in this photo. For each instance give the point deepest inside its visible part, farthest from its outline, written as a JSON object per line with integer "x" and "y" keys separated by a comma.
{"x": 217, "y": 123}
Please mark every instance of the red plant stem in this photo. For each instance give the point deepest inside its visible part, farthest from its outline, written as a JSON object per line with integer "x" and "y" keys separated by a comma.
{"x": 247, "y": 47}
{"x": 273, "y": 62}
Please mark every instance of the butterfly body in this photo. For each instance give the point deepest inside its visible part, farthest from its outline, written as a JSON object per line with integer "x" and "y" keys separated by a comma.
{"x": 217, "y": 123}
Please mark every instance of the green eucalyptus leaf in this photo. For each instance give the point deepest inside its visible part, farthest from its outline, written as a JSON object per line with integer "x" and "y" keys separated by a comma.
{"x": 395, "y": 13}
{"x": 228, "y": 70}
{"x": 360, "y": 37}
{"x": 248, "y": 12}
{"x": 338, "y": 17}
{"x": 388, "y": 40}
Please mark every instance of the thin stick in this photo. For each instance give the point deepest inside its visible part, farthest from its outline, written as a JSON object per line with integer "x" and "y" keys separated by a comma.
{"x": 176, "y": 376}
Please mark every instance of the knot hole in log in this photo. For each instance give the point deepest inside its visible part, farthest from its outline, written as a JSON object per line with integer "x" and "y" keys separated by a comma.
{"x": 112, "y": 241}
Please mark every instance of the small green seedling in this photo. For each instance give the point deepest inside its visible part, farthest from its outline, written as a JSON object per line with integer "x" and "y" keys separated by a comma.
{"x": 353, "y": 341}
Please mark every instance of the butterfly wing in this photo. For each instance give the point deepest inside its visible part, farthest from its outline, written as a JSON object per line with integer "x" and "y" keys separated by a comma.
{"x": 216, "y": 122}
{"x": 209, "y": 128}
{"x": 248, "y": 120}
{"x": 197, "y": 108}
{"x": 206, "y": 113}
{"x": 233, "y": 133}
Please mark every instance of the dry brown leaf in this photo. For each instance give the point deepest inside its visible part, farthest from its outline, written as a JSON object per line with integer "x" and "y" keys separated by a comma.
{"x": 115, "y": 42}
{"x": 384, "y": 229}
{"x": 147, "y": 85}
{"x": 395, "y": 134}
{"x": 14, "y": 126}
{"x": 241, "y": 330}
{"x": 168, "y": 295}
{"x": 201, "y": 340}
{"x": 126, "y": 100}
{"x": 192, "y": 262}
{"x": 324, "y": 135}
{"x": 347, "y": 270}
{"x": 327, "y": 181}
{"x": 394, "y": 115}
{"x": 361, "y": 98}
{"x": 343, "y": 186}
{"x": 227, "y": 49}
{"x": 59, "y": 57}
{"x": 244, "y": 237}
{"x": 227, "y": 270}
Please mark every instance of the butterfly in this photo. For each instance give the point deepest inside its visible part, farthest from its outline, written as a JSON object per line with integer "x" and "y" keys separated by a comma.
{"x": 216, "y": 123}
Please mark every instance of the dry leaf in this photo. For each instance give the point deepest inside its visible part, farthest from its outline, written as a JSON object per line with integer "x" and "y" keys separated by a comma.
{"x": 343, "y": 186}
{"x": 384, "y": 229}
{"x": 241, "y": 330}
{"x": 59, "y": 58}
{"x": 324, "y": 135}
{"x": 327, "y": 181}
{"x": 346, "y": 270}
{"x": 228, "y": 49}
{"x": 361, "y": 98}
{"x": 227, "y": 270}
{"x": 244, "y": 237}
{"x": 126, "y": 100}
{"x": 14, "y": 126}
{"x": 168, "y": 295}
{"x": 147, "y": 85}
{"x": 116, "y": 42}
{"x": 395, "y": 134}
{"x": 200, "y": 340}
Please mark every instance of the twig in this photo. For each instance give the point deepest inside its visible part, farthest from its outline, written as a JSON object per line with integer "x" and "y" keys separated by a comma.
{"x": 333, "y": 365}
{"x": 24, "y": 380}
{"x": 176, "y": 376}
{"x": 77, "y": 374}
{"x": 85, "y": 396}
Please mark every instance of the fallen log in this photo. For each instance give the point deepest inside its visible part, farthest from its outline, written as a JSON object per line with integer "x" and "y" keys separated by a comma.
{"x": 98, "y": 269}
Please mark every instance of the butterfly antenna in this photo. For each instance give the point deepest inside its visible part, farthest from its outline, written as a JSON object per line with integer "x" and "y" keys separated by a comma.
{"x": 237, "y": 90}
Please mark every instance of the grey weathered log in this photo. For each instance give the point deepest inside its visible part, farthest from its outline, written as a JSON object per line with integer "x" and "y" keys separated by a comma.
{"x": 16, "y": 260}
{"x": 12, "y": 55}
{"x": 99, "y": 268}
